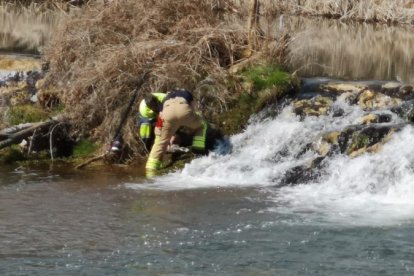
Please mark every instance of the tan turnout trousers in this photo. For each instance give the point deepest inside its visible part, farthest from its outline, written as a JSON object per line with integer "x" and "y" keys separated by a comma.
{"x": 176, "y": 113}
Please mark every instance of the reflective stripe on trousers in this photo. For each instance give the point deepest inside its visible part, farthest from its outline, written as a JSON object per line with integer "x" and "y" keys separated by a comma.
{"x": 199, "y": 140}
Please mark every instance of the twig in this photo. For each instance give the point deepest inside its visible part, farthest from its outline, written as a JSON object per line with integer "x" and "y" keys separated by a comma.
{"x": 51, "y": 140}
{"x": 96, "y": 158}
{"x": 31, "y": 142}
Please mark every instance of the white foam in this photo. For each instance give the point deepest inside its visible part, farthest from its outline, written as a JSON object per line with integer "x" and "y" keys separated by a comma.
{"x": 372, "y": 188}
{"x": 260, "y": 157}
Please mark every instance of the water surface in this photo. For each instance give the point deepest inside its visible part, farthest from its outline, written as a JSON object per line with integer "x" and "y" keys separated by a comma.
{"x": 71, "y": 223}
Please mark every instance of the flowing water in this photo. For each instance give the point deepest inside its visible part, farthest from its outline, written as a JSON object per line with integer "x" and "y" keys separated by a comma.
{"x": 225, "y": 215}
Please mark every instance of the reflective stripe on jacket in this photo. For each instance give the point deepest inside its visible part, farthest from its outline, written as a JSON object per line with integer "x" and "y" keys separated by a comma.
{"x": 145, "y": 111}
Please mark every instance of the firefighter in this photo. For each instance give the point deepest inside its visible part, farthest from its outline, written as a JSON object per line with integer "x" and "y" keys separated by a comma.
{"x": 149, "y": 109}
{"x": 178, "y": 110}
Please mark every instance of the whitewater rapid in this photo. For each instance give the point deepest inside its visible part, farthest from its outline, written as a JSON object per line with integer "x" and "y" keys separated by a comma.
{"x": 372, "y": 188}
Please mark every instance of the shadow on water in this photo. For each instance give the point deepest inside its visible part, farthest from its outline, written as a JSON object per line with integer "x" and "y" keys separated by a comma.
{"x": 353, "y": 51}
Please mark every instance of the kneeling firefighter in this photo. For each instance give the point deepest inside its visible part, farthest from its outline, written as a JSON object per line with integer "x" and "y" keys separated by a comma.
{"x": 177, "y": 111}
{"x": 149, "y": 109}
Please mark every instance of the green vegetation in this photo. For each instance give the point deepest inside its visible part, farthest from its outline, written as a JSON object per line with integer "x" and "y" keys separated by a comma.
{"x": 84, "y": 148}
{"x": 359, "y": 141}
{"x": 11, "y": 154}
{"x": 25, "y": 114}
{"x": 266, "y": 76}
{"x": 264, "y": 85}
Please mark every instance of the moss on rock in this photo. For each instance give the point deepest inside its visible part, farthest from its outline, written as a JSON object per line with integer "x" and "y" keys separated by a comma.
{"x": 262, "y": 85}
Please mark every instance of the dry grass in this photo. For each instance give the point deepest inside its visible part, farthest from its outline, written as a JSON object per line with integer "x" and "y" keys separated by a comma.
{"x": 26, "y": 28}
{"x": 353, "y": 51}
{"x": 98, "y": 53}
{"x": 386, "y": 11}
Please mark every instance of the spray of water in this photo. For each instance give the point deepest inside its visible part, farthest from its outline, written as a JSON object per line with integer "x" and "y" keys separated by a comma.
{"x": 374, "y": 187}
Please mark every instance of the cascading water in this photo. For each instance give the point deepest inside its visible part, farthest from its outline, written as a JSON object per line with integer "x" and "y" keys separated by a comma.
{"x": 367, "y": 189}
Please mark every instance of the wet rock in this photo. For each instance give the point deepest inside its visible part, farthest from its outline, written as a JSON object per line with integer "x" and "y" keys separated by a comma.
{"x": 355, "y": 140}
{"x": 322, "y": 147}
{"x": 299, "y": 174}
{"x": 349, "y": 97}
{"x": 375, "y": 118}
{"x": 340, "y": 88}
{"x": 316, "y": 106}
{"x": 397, "y": 90}
{"x": 369, "y": 100}
{"x": 337, "y": 112}
{"x": 327, "y": 143}
{"x": 393, "y": 86}
{"x": 332, "y": 137}
{"x": 406, "y": 92}
{"x": 405, "y": 110}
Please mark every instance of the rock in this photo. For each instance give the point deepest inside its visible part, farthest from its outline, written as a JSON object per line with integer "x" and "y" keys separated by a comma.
{"x": 369, "y": 100}
{"x": 343, "y": 87}
{"x": 405, "y": 110}
{"x": 322, "y": 147}
{"x": 332, "y": 137}
{"x": 299, "y": 174}
{"x": 391, "y": 86}
{"x": 397, "y": 90}
{"x": 313, "y": 107}
{"x": 367, "y": 137}
{"x": 369, "y": 119}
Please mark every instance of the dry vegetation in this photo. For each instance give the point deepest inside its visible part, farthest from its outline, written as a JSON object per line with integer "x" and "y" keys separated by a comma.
{"x": 98, "y": 54}
{"x": 26, "y": 28}
{"x": 100, "y": 50}
{"x": 385, "y": 11}
{"x": 354, "y": 51}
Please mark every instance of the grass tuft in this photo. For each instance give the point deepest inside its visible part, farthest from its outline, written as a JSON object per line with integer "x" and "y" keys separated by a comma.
{"x": 267, "y": 76}
{"x": 84, "y": 148}
{"x": 25, "y": 114}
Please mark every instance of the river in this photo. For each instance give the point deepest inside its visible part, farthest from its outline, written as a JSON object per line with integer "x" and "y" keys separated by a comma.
{"x": 225, "y": 215}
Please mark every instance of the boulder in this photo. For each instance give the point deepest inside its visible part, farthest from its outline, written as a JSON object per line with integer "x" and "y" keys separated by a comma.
{"x": 369, "y": 100}
{"x": 316, "y": 106}
{"x": 340, "y": 88}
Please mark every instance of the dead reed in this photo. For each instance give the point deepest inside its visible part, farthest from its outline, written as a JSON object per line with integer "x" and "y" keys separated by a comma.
{"x": 384, "y": 11}
{"x": 26, "y": 28}
{"x": 355, "y": 51}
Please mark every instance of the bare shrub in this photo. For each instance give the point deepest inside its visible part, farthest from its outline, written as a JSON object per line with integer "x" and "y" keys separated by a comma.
{"x": 99, "y": 52}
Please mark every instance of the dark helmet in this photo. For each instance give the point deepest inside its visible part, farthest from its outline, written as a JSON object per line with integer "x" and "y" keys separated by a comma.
{"x": 152, "y": 102}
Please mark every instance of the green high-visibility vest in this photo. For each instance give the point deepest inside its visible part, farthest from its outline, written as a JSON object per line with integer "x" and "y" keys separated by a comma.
{"x": 145, "y": 111}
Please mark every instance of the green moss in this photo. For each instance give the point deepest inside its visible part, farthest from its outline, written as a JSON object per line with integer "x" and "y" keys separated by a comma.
{"x": 58, "y": 109}
{"x": 84, "y": 148}
{"x": 266, "y": 76}
{"x": 358, "y": 141}
{"x": 11, "y": 154}
{"x": 25, "y": 114}
{"x": 263, "y": 85}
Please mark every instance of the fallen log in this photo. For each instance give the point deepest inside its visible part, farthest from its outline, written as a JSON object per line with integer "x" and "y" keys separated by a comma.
{"x": 17, "y": 137}
{"x": 5, "y": 133}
